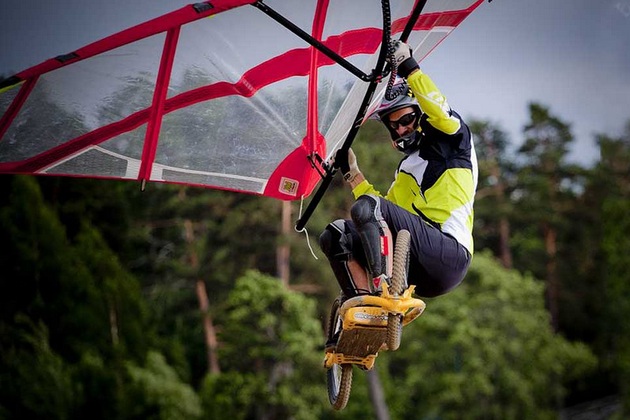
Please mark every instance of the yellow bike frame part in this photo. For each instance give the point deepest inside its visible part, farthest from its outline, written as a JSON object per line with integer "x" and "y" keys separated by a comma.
{"x": 367, "y": 312}
{"x": 406, "y": 305}
{"x": 366, "y": 362}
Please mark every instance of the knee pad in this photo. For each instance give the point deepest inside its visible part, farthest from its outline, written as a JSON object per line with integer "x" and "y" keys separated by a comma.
{"x": 374, "y": 233}
{"x": 367, "y": 209}
{"x": 336, "y": 241}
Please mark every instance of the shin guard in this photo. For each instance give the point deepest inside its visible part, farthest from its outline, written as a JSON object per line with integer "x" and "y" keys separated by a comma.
{"x": 375, "y": 238}
{"x": 336, "y": 242}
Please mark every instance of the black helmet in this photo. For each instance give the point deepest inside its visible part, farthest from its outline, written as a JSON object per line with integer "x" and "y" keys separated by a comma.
{"x": 405, "y": 98}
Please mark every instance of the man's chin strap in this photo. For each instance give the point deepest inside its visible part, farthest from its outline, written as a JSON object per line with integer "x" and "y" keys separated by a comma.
{"x": 375, "y": 236}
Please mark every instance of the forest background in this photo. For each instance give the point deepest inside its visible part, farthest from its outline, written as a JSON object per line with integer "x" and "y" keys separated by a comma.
{"x": 183, "y": 302}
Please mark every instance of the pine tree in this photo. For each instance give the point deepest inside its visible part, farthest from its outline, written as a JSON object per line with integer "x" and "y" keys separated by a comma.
{"x": 544, "y": 197}
{"x": 493, "y": 208}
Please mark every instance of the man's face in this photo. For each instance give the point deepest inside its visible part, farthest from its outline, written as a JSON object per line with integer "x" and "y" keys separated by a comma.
{"x": 402, "y": 120}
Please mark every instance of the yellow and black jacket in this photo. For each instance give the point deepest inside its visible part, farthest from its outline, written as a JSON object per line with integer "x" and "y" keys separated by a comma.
{"x": 438, "y": 180}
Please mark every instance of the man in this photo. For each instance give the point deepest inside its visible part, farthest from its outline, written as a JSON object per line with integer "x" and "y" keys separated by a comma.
{"x": 432, "y": 195}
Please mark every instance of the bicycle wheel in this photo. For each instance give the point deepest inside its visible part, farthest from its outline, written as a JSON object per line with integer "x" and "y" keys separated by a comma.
{"x": 338, "y": 376}
{"x": 399, "y": 277}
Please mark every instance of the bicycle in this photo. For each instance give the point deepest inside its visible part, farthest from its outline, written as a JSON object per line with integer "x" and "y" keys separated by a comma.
{"x": 367, "y": 324}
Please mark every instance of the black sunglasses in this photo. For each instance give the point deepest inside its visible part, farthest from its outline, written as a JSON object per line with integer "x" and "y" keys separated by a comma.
{"x": 403, "y": 121}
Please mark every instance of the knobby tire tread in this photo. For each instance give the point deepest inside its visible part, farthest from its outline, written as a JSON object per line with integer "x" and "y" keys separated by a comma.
{"x": 338, "y": 387}
{"x": 399, "y": 276}
{"x": 345, "y": 386}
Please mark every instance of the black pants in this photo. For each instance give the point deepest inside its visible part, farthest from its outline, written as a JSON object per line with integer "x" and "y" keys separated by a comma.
{"x": 438, "y": 263}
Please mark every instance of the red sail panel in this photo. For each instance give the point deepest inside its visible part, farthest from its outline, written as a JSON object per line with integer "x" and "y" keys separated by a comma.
{"x": 213, "y": 94}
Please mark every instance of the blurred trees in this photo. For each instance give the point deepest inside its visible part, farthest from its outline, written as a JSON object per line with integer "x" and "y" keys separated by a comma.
{"x": 545, "y": 192}
{"x": 71, "y": 314}
{"x": 487, "y": 350}
{"x": 496, "y": 183}
{"x": 270, "y": 354}
{"x": 611, "y": 186}
{"x": 100, "y": 316}
{"x": 567, "y": 225}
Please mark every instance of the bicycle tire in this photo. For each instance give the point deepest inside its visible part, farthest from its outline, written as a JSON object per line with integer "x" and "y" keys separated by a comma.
{"x": 341, "y": 391}
{"x": 399, "y": 276}
{"x": 338, "y": 376}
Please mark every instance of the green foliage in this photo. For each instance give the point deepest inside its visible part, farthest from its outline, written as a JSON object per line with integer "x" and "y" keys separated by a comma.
{"x": 72, "y": 295}
{"x": 547, "y": 138}
{"x": 159, "y": 393}
{"x": 35, "y": 381}
{"x": 496, "y": 182}
{"x": 615, "y": 328}
{"x": 231, "y": 395}
{"x": 101, "y": 386}
{"x": 270, "y": 349}
{"x": 543, "y": 194}
{"x": 117, "y": 296}
{"x": 486, "y": 350}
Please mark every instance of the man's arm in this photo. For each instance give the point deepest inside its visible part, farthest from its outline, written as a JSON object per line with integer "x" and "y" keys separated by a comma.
{"x": 431, "y": 100}
{"x": 433, "y": 103}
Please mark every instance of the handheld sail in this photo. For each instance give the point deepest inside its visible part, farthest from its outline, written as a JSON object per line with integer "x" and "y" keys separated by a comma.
{"x": 215, "y": 94}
